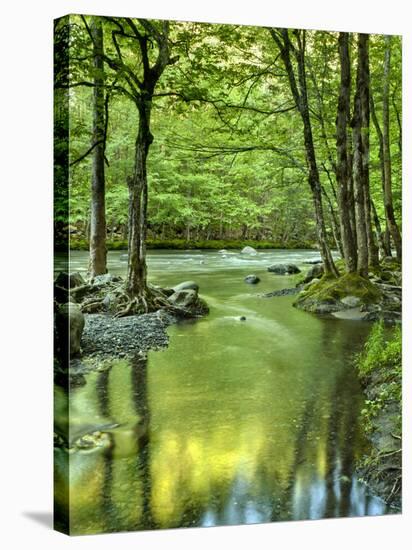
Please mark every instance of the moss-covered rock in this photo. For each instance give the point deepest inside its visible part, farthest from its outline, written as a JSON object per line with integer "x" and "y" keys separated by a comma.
{"x": 330, "y": 294}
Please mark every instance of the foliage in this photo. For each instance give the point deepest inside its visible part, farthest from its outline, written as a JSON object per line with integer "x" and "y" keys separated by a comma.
{"x": 383, "y": 351}
{"x": 227, "y": 162}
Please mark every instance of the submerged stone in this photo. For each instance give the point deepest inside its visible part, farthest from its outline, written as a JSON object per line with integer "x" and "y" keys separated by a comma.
{"x": 252, "y": 279}
{"x": 284, "y": 269}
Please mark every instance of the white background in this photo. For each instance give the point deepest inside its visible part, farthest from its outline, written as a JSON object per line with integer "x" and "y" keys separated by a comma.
{"x": 26, "y": 275}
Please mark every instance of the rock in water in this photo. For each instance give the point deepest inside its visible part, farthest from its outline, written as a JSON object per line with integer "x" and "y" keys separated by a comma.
{"x": 313, "y": 262}
{"x": 249, "y": 250}
{"x": 69, "y": 316}
{"x": 186, "y": 285}
{"x": 284, "y": 269}
{"x": 66, "y": 280}
{"x": 183, "y": 298}
{"x": 314, "y": 272}
{"x": 252, "y": 279}
{"x": 222, "y": 251}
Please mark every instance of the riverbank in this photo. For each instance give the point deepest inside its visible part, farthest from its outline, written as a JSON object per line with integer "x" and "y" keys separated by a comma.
{"x": 182, "y": 244}
{"x": 380, "y": 372}
{"x": 102, "y": 326}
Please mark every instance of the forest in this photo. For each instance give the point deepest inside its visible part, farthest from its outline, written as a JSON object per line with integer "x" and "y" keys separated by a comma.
{"x": 192, "y": 150}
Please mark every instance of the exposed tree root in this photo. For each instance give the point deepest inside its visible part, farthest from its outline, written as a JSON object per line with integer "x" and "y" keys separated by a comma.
{"x": 112, "y": 297}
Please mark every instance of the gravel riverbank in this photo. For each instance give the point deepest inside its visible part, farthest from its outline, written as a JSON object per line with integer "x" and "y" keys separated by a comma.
{"x": 105, "y": 335}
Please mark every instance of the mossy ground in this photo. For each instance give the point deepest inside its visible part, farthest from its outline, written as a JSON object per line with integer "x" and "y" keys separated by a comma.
{"x": 330, "y": 290}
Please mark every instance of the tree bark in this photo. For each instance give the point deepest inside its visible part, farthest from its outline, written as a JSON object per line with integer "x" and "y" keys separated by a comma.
{"x": 384, "y": 242}
{"x": 98, "y": 254}
{"x": 343, "y": 165}
{"x": 381, "y": 234}
{"x": 141, "y": 90}
{"x": 388, "y": 200}
{"x": 358, "y": 164}
{"x": 137, "y": 268}
{"x": 373, "y": 253}
{"x": 299, "y": 92}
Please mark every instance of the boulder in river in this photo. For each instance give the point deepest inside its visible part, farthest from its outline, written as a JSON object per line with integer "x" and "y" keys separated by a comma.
{"x": 222, "y": 251}
{"x": 284, "y": 269}
{"x": 346, "y": 292}
{"x": 183, "y": 298}
{"x": 249, "y": 250}
{"x": 252, "y": 279}
{"x": 313, "y": 262}
{"x": 186, "y": 285}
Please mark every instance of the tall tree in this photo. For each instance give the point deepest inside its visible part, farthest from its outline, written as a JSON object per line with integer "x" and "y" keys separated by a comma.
{"x": 343, "y": 165}
{"x": 360, "y": 151}
{"x": 299, "y": 91}
{"x": 373, "y": 253}
{"x": 141, "y": 69}
{"x": 98, "y": 254}
{"x": 388, "y": 200}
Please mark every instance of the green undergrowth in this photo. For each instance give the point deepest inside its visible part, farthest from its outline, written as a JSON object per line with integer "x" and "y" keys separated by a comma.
{"x": 330, "y": 289}
{"x": 380, "y": 372}
{"x": 382, "y": 351}
{"x": 181, "y": 244}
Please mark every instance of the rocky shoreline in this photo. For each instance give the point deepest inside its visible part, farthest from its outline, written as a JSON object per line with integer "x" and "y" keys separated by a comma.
{"x": 350, "y": 296}
{"x": 97, "y": 333}
{"x": 105, "y": 335}
{"x": 380, "y": 373}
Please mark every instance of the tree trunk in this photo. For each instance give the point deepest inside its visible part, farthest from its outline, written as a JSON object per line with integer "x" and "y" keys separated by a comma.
{"x": 334, "y": 223}
{"x": 98, "y": 254}
{"x": 359, "y": 151}
{"x": 373, "y": 253}
{"x": 300, "y": 96}
{"x": 384, "y": 242}
{"x": 343, "y": 166}
{"x": 137, "y": 270}
{"x": 388, "y": 201}
{"x": 381, "y": 234}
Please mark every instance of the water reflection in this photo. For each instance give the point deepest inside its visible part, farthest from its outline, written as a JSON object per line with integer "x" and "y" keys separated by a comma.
{"x": 252, "y": 470}
{"x": 233, "y": 423}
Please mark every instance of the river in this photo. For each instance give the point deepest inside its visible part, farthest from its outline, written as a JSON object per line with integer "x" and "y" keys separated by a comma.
{"x": 235, "y": 422}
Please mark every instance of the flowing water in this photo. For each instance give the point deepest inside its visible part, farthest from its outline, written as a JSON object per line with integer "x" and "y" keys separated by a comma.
{"x": 235, "y": 422}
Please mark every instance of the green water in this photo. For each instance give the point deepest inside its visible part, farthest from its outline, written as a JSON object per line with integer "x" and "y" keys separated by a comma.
{"x": 235, "y": 422}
